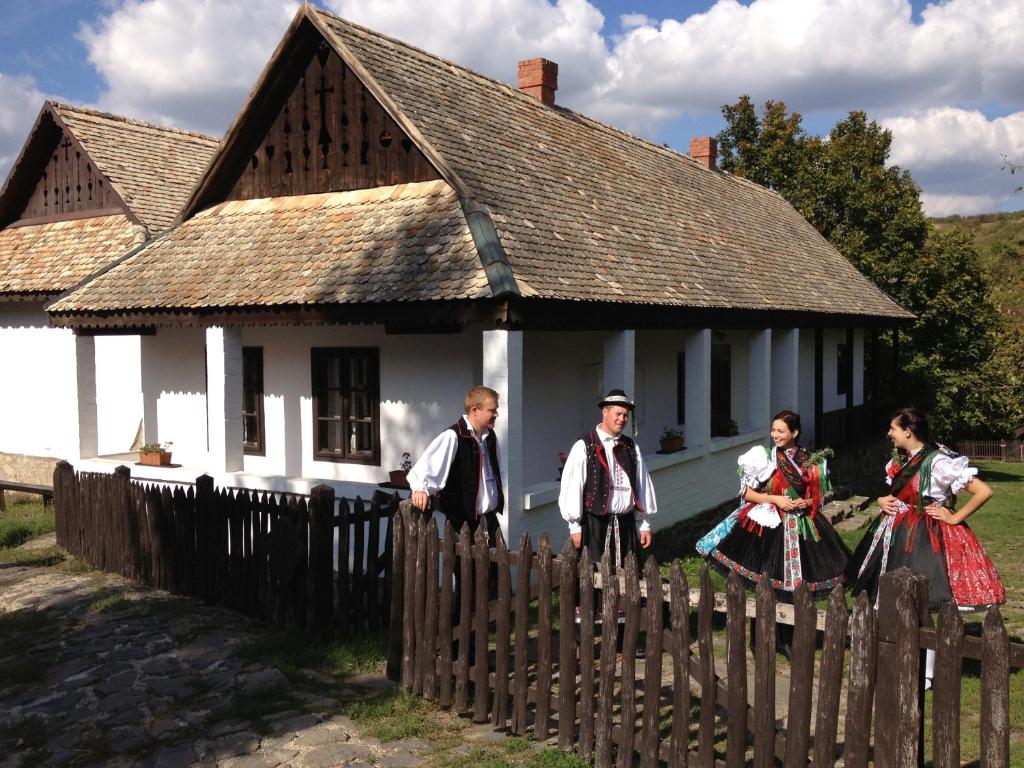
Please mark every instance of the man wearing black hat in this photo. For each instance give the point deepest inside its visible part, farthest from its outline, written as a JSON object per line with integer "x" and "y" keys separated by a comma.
{"x": 606, "y": 495}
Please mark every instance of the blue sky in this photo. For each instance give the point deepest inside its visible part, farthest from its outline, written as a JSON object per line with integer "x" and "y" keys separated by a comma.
{"x": 947, "y": 78}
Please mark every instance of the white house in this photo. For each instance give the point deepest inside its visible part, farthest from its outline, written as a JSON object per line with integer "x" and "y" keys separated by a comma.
{"x": 87, "y": 188}
{"x": 382, "y": 229}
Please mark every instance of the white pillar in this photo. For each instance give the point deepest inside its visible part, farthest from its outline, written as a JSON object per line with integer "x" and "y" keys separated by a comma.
{"x": 620, "y": 362}
{"x": 85, "y": 391}
{"x": 149, "y": 361}
{"x": 786, "y": 370}
{"x": 503, "y": 372}
{"x": 759, "y": 366}
{"x": 224, "y": 398}
{"x": 698, "y": 388}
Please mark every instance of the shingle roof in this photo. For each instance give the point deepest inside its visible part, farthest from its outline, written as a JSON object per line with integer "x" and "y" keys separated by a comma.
{"x": 152, "y": 167}
{"x": 410, "y": 241}
{"x": 49, "y": 258}
{"x": 585, "y": 211}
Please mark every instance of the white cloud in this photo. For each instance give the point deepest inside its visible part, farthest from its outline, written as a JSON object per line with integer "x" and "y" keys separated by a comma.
{"x": 830, "y": 55}
{"x": 491, "y": 36}
{"x": 956, "y": 155}
{"x": 185, "y": 62}
{"x": 20, "y": 102}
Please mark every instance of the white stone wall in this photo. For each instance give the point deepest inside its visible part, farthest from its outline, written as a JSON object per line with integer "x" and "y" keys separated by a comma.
{"x": 685, "y": 484}
{"x": 174, "y": 392}
{"x": 38, "y": 387}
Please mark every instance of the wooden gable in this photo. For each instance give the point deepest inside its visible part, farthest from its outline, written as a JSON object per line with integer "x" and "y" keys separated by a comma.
{"x": 54, "y": 178}
{"x": 69, "y": 183}
{"x": 330, "y": 135}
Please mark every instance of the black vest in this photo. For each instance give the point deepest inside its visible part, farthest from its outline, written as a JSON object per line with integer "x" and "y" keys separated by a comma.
{"x": 458, "y": 497}
{"x": 597, "y": 491}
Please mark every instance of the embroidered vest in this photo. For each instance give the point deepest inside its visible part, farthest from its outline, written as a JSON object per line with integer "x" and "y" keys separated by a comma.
{"x": 597, "y": 491}
{"x": 458, "y": 497}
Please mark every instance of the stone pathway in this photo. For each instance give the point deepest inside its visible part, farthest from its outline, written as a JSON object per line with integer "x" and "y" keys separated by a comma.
{"x": 95, "y": 671}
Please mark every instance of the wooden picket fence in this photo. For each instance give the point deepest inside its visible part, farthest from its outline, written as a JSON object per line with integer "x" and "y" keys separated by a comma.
{"x": 509, "y": 650}
{"x": 271, "y": 556}
{"x": 992, "y": 450}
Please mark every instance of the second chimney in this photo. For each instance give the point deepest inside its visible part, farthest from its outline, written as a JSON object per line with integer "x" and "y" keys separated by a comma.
{"x": 539, "y": 78}
{"x": 705, "y": 151}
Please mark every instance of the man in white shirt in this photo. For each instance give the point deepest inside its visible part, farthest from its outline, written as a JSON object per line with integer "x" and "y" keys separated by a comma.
{"x": 460, "y": 468}
{"x": 606, "y": 495}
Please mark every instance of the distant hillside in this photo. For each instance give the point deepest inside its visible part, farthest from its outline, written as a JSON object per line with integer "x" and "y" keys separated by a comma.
{"x": 1000, "y": 239}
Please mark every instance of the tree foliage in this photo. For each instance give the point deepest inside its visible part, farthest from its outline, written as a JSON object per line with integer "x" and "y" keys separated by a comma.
{"x": 954, "y": 358}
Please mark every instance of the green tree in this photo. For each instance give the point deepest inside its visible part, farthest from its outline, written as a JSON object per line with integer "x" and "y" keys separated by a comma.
{"x": 871, "y": 212}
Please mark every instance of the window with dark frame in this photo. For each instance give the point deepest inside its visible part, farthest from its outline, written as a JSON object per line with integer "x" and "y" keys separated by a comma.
{"x": 721, "y": 391}
{"x": 252, "y": 401}
{"x": 844, "y": 368}
{"x": 346, "y": 404}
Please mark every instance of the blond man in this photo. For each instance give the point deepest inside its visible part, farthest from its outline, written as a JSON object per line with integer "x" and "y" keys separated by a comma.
{"x": 459, "y": 470}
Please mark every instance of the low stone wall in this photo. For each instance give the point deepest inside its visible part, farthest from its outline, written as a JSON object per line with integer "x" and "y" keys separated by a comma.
{"x": 27, "y": 469}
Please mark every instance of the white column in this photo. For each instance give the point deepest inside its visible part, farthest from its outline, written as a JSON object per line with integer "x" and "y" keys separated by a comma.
{"x": 149, "y": 359}
{"x": 224, "y": 398}
{"x": 698, "y": 388}
{"x": 503, "y": 372}
{"x": 85, "y": 390}
{"x": 759, "y": 367}
{"x": 786, "y": 370}
{"x": 620, "y": 362}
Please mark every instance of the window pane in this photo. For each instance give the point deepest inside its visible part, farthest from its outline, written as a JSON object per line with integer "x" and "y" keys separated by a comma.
{"x": 333, "y": 365}
{"x": 251, "y": 430}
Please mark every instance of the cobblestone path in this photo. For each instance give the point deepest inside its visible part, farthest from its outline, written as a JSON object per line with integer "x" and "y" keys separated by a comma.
{"x": 95, "y": 671}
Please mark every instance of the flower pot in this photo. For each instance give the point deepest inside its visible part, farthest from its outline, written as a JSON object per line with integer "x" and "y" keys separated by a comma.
{"x": 671, "y": 444}
{"x": 155, "y": 459}
{"x": 398, "y": 477}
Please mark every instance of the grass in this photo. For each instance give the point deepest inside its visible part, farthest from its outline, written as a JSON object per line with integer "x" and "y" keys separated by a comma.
{"x": 291, "y": 653}
{"x": 24, "y": 519}
{"x": 117, "y": 602}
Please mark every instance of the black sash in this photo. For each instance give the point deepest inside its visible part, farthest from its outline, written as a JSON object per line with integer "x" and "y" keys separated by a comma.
{"x": 793, "y": 475}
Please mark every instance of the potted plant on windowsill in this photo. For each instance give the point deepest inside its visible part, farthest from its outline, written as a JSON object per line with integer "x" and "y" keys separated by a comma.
{"x": 723, "y": 426}
{"x": 155, "y": 454}
{"x": 671, "y": 440}
{"x": 399, "y": 477}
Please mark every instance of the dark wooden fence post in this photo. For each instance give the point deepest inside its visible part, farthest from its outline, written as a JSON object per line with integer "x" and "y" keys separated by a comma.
{"x": 831, "y": 681}
{"x": 522, "y": 629}
{"x": 897, "y": 716}
{"x": 705, "y": 647}
{"x": 398, "y": 566}
{"x": 446, "y": 610}
{"x": 586, "y": 576}
{"x": 946, "y": 690}
{"x": 764, "y": 676}
{"x": 503, "y": 638}
{"x": 630, "y": 639}
{"x": 567, "y": 646}
{"x": 736, "y": 679}
{"x": 995, "y": 692}
{"x": 654, "y": 624}
{"x": 606, "y": 689}
{"x": 320, "y": 582}
{"x": 861, "y": 687}
{"x": 429, "y": 644}
{"x": 542, "y": 715}
{"x": 409, "y": 597}
{"x": 680, "y": 594}
{"x": 801, "y": 684}
{"x": 121, "y": 510}
{"x": 64, "y": 495}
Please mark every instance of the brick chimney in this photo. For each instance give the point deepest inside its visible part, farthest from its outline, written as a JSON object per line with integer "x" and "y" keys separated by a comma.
{"x": 539, "y": 78}
{"x": 705, "y": 151}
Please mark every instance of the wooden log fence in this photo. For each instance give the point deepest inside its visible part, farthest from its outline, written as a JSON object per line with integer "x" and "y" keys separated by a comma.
{"x": 522, "y": 660}
{"x": 284, "y": 558}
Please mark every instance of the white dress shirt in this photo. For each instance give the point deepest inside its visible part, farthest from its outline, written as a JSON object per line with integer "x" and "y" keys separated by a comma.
{"x": 430, "y": 473}
{"x": 574, "y": 478}
{"x": 950, "y": 475}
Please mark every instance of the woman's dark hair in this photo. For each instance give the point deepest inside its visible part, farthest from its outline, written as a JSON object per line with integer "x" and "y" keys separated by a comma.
{"x": 789, "y": 418}
{"x": 914, "y": 420}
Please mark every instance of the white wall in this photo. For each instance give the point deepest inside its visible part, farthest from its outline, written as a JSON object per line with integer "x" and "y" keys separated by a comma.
{"x": 38, "y": 402}
{"x": 684, "y": 483}
{"x": 423, "y": 381}
{"x": 118, "y": 392}
{"x": 174, "y": 392}
{"x": 806, "y": 385}
{"x": 563, "y": 383}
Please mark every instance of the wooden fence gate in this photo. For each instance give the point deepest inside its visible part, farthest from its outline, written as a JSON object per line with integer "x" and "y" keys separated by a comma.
{"x": 310, "y": 562}
{"x": 508, "y": 648}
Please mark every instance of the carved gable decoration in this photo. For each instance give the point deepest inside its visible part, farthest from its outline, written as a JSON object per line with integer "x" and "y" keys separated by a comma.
{"x": 69, "y": 183}
{"x": 331, "y": 135}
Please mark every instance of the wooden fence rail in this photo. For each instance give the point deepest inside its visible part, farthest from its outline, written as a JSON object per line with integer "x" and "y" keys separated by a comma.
{"x": 288, "y": 559}
{"x": 522, "y": 660}
{"x": 993, "y": 450}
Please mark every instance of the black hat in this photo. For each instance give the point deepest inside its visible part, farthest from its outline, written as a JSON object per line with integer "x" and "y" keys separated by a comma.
{"x": 617, "y": 397}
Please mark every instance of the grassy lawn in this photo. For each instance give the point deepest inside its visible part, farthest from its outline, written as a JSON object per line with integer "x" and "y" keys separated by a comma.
{"x": 24, "y": 519}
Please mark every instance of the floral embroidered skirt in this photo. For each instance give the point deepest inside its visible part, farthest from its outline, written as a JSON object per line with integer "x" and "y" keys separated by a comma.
{"x": 788, "y": 554}
{"x": 959, "y": 572}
